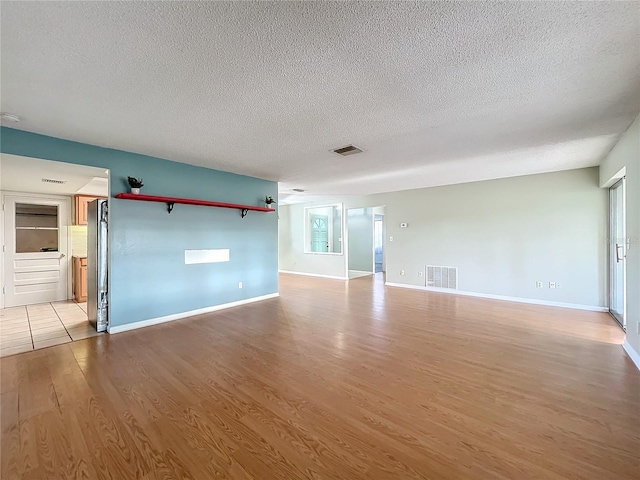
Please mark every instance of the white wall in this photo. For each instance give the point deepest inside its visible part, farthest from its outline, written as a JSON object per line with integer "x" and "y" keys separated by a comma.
{"x": 503, "y": 235}
{"x": 291, "y": 239}
{"x": 626, "y": 154}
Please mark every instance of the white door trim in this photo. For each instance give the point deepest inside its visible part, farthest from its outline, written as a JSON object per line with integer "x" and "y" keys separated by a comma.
{"x": 68, "y": 256}
{"x": 621, "y": 184}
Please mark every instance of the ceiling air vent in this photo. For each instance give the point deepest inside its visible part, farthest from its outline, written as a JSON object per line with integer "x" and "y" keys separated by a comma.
{"x": 348, "y": 150}
{"x": 51, "y": 180}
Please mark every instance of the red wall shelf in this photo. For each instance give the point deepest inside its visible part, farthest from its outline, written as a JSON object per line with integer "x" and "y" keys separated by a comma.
{"x": 171, "y": 201}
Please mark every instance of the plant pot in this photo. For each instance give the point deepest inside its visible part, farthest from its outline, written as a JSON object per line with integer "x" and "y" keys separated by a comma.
{"x": 269, "y": 206}
{"x": 135, "y": 191}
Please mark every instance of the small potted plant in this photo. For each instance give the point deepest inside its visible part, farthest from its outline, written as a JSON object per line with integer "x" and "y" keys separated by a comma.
{"x": 268, "y": 202}
{"x": 135, "y": 184}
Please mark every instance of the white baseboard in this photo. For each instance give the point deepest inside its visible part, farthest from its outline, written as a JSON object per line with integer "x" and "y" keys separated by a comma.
{"x": 635, "y": 357}
{"x": 531, "y": 301}
{"x": 334, "y": 277}
{"x": 191, "y": 313}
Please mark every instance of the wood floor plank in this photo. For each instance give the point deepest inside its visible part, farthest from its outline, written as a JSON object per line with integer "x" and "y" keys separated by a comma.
{"x": 333, "y": 380}
{"x": 10, "y": 451}
{"x": 35, "y": 388}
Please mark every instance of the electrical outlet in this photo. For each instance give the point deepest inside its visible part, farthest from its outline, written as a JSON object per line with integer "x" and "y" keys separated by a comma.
{"x": 391, "y": 239}
{"x": 420, "y": 274}
{"x": 401, "y": 272}
{"x": 557, "y": 284}
{"x": 552, "y": 284}
{"x": 239, "y": 284}
{"x": 538, "y": 284}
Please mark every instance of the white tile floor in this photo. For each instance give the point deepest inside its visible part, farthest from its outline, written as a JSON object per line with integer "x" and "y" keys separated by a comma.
{"x": 44, "y": 325}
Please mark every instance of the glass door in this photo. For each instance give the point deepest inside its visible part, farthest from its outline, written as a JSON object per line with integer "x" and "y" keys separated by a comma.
{"x": 617, "y": 253}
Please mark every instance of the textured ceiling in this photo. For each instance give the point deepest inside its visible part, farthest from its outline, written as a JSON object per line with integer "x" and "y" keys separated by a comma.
{"x": 435, "y": 93}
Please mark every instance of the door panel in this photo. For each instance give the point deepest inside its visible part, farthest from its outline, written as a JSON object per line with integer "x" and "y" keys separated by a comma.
{"x": 27, "y": 277}
{"x": 617, "y": 252}
{"x": 36, "y": 263}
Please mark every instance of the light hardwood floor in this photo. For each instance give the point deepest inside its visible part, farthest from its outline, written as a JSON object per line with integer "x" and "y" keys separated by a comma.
{"x": 334, "y": 380}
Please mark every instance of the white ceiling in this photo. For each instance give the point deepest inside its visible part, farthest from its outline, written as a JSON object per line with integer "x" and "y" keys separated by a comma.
{"x": 434, "y": 92}
{"x": 23, "y": 174}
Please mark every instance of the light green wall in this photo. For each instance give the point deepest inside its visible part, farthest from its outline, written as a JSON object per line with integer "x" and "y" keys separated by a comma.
{"x": 503, "y": 235}
{"x": 626, "y": 153}
{"x": 291, "y": 241}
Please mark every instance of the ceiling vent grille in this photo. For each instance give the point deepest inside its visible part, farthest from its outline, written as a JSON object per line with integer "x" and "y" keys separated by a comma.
{"x": 51, "y": 180}
{"x": 348, "y": 150}
{"x": 442, "y": 277}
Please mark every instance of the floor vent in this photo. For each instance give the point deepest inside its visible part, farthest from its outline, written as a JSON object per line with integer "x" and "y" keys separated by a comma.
{"x": 442, "y": 277}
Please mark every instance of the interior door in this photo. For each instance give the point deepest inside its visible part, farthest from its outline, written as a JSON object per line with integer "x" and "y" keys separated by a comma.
{"x": 35, "y": 250}
{"x": 319, "y": 233}
{"x": 617, "y": 252}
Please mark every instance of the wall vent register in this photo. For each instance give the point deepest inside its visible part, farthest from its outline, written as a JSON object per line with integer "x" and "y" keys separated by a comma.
{"x": 51, "y": 180}
{"x": 442, "y": 277}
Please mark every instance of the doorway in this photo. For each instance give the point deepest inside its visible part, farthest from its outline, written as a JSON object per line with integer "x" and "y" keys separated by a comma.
{"x": 365, "y": 241}
{"x": 45, "y": 247}
{"x": 617, "y": 252}
{"x": 36, "y": 249}
{"x": 360, "y": 257}
{"x": 378, "y": 243}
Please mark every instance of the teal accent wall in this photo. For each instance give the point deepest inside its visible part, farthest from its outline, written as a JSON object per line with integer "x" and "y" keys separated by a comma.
{"x": 148, "y": 277}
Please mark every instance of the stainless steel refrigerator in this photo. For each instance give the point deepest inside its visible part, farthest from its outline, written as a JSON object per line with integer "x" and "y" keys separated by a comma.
{"x": 97, "y": 275}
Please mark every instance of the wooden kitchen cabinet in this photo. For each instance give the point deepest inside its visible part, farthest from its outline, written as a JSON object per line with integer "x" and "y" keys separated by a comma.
{"x": 80, "y": 279}
{"x": 81, "y": 208}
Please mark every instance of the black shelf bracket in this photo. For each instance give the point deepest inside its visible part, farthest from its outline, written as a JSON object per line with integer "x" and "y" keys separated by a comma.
{"x": 244, "y": 212}
{"x": 170, "y": 206}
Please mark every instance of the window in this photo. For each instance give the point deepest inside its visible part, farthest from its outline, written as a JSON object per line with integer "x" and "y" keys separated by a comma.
{"x": 36, "y": 228}
{"x": 323, "y": 229}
